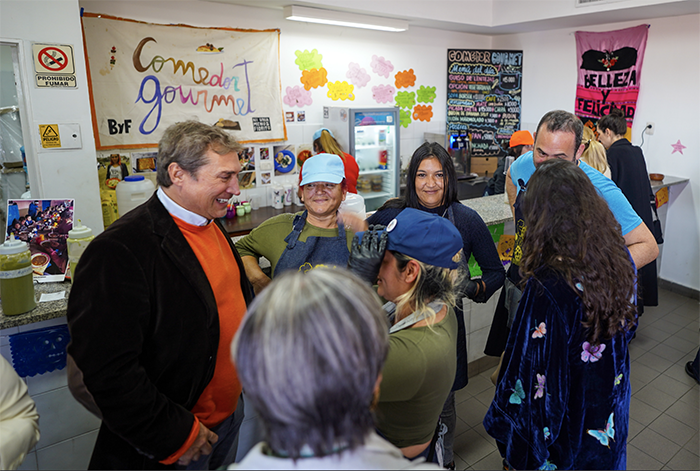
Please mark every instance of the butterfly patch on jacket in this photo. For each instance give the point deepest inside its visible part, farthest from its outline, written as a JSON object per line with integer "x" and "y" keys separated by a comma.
{"x": 608, "y": 433}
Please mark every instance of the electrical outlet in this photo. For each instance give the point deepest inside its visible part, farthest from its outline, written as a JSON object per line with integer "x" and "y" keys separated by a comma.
{"x": 649, "y": 129}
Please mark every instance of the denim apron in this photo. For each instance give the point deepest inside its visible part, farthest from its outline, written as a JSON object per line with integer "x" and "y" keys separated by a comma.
{"x": 304, "y": 256}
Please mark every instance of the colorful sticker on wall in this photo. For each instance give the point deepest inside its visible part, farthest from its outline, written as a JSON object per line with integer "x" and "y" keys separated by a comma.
{"x": 265, "y": 178}
{"x": 383, "y": 93}
{"x": 308, "y": 60}
{"x": 405, "y": 99}
{"x": 405, "y": 79}
{"x": 289, "y": 116}
{"x": 314, "y": 78}
{"x": 285, "y": 160}
{"x": 423, "y": 112}
{"x": 677, "y": 147}
{"x": 264, "y": 153}
{"x": 405, "y": 117}
{"x": 425, "y": 94}
{"x": 662, "y": 197}
{"x": 357, "y": 75}
{"x": 381, "y": 66}
{"x": 301, "y": 116}
{"x": 297, "y": 96}
{"x": 340, "y": 91}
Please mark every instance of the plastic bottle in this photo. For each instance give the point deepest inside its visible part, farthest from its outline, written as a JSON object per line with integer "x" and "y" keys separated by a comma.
{"x": 78, "y": 239}
{"x": 16, "y": 280}
{"x": 133, "y": 191}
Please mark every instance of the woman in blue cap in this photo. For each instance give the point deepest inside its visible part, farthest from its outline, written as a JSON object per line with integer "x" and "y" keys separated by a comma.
{"x": 310, "y": 238}
{"x": 324, "y": 142}
{"x": 431, "y": 187}
{"x": 416, "y": 263}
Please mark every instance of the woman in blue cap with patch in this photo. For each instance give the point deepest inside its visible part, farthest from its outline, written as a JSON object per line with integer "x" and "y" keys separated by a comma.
{"x": 416, "y": 263}
{"x": 308, "y": 239}
{"x": 324, "y": 141}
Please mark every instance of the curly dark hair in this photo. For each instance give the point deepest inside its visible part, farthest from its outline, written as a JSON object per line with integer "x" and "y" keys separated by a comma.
{"x": 426, "y": 151}
{"x": 571, "y": 230}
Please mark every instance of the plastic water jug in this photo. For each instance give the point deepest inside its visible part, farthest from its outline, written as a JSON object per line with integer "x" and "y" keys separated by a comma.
{"x": 353, "y": 204}
{"x": 16, "y": 279}
{"x": 78, "y": 238}
{"x": 133, "y": 191}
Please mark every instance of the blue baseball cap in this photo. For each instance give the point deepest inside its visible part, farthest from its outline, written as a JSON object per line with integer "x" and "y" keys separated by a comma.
{"x": 317, "y": 134}
{"x": 322, "y": 168}
{"x": 424, "y": 236}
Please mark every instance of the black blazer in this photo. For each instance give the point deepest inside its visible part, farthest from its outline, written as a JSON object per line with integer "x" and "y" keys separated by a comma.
{"x": 144, "y": 336}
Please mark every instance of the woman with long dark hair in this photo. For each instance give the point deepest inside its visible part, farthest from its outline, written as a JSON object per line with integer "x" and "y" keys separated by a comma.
{"x": 563, "y": 393}
{"x": 629, "y": 172}
{"x": 431, "y": 186}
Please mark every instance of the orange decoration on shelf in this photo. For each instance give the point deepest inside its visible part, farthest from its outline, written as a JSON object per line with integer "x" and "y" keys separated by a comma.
{"x": 423, "y": 112}
{"x": 314, "y": 78}
{"x": 405, "y": 79}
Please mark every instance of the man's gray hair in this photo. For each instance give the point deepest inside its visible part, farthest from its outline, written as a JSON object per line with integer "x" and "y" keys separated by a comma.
{"x": 185, "y": 143}
{"x": 562, "y": 121}
{"x": 308, "y": 354}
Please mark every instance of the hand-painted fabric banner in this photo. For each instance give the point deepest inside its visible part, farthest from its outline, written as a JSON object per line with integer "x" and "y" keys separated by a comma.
{"x": 144, "y": 77}
{"x": 610, "y": 69}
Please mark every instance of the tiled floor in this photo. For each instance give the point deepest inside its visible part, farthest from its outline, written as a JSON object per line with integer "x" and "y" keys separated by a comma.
{"x": 664, "y": 411}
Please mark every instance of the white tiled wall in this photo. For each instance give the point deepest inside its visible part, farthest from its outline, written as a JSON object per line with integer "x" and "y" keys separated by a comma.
{"x": 68, "y": 430}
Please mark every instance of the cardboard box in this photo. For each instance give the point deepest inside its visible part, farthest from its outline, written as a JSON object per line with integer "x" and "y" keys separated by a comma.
{"x": 484, "y": 166}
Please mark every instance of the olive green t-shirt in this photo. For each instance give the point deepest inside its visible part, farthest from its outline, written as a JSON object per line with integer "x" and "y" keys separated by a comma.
{"x": 267, "y": 240}
{"x": 416, "y": 380}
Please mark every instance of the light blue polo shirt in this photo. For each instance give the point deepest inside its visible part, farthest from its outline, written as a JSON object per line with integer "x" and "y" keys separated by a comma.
{"x": 524, "y": 167}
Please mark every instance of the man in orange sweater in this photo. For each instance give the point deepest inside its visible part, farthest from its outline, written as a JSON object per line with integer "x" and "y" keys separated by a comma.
{"x": 155, "y": 303}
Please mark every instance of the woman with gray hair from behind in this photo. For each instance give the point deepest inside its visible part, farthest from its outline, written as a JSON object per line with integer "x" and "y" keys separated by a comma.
{"x": 309, "y": 354}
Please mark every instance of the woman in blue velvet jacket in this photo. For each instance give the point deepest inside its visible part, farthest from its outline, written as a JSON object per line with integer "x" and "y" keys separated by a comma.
{"x": 562, "y": 401}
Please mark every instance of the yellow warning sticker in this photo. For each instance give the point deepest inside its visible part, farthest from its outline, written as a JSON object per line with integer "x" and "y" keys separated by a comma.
{"x": 49, "y": 136}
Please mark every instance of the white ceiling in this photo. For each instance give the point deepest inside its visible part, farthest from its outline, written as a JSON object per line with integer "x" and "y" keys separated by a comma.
{"x": 494, "y": 17}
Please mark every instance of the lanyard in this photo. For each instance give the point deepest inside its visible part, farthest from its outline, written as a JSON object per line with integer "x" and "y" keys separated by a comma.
{"x": 411, "y": 319}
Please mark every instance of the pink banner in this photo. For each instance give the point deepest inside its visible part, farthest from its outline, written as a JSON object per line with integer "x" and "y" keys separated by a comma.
{"x": 610, "y": 69}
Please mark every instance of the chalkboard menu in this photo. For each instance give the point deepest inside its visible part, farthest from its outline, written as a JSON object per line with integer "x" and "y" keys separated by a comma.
{"x": 483, "y": 98}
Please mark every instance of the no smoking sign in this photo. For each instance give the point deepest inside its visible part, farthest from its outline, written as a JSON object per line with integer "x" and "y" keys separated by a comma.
{"x": 54, "y": 66}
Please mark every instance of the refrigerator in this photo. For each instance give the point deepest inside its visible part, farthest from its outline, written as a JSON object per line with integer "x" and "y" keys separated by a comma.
{"x": 371, "y": 135}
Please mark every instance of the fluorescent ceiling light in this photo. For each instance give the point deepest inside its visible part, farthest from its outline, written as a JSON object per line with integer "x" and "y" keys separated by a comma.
{"x": 338, "y": 18}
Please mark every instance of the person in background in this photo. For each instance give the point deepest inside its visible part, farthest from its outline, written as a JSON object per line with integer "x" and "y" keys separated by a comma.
{"x": 317, "y": 403}
{"x": 520, "y": 142}
{"x": 629, "y": 172}
{"x": 692, "y": 368}
{"x": 116, "y": 168}
{"x": 416, "y": 263}
{"x": 559, "y": 136}
{"x": 563, "y": 397}
{"x": 19, "y": 420}
{"x": 152, "y": 316}
{"x": 594, "y": 152}
{"x": 324, "y": 142}
{"x": 431, "y": 186}
{"x": 310, "y": 238}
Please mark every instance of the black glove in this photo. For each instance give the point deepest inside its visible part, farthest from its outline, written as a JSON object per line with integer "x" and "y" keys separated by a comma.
{"x": 366, "y": 257}
{"x": 476, "y": 291}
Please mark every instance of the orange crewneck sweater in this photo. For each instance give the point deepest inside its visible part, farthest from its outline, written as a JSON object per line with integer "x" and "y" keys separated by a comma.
{"x": 220, "y": 397}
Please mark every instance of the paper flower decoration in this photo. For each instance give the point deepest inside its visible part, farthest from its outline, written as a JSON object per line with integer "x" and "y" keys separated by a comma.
{"x": 383, "y": 93}
{"x": 405, "y": 99}
{"x": 340, "y": 91}
{"x": 314, "y": 78}
{"x": 381, "y": 66}
{"x": 426, "y": 94}
{"x": 297, "y": 96}
{"x": 357, "y": 75}
{"x": 405, "y": 117}
{"x": 405, "y": 79}
{"x": 308, "y": 60}
{"x": 423, "y": 112}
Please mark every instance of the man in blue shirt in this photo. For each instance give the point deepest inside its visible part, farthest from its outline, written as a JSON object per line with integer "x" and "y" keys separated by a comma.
{"x": 559, "y": 135}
